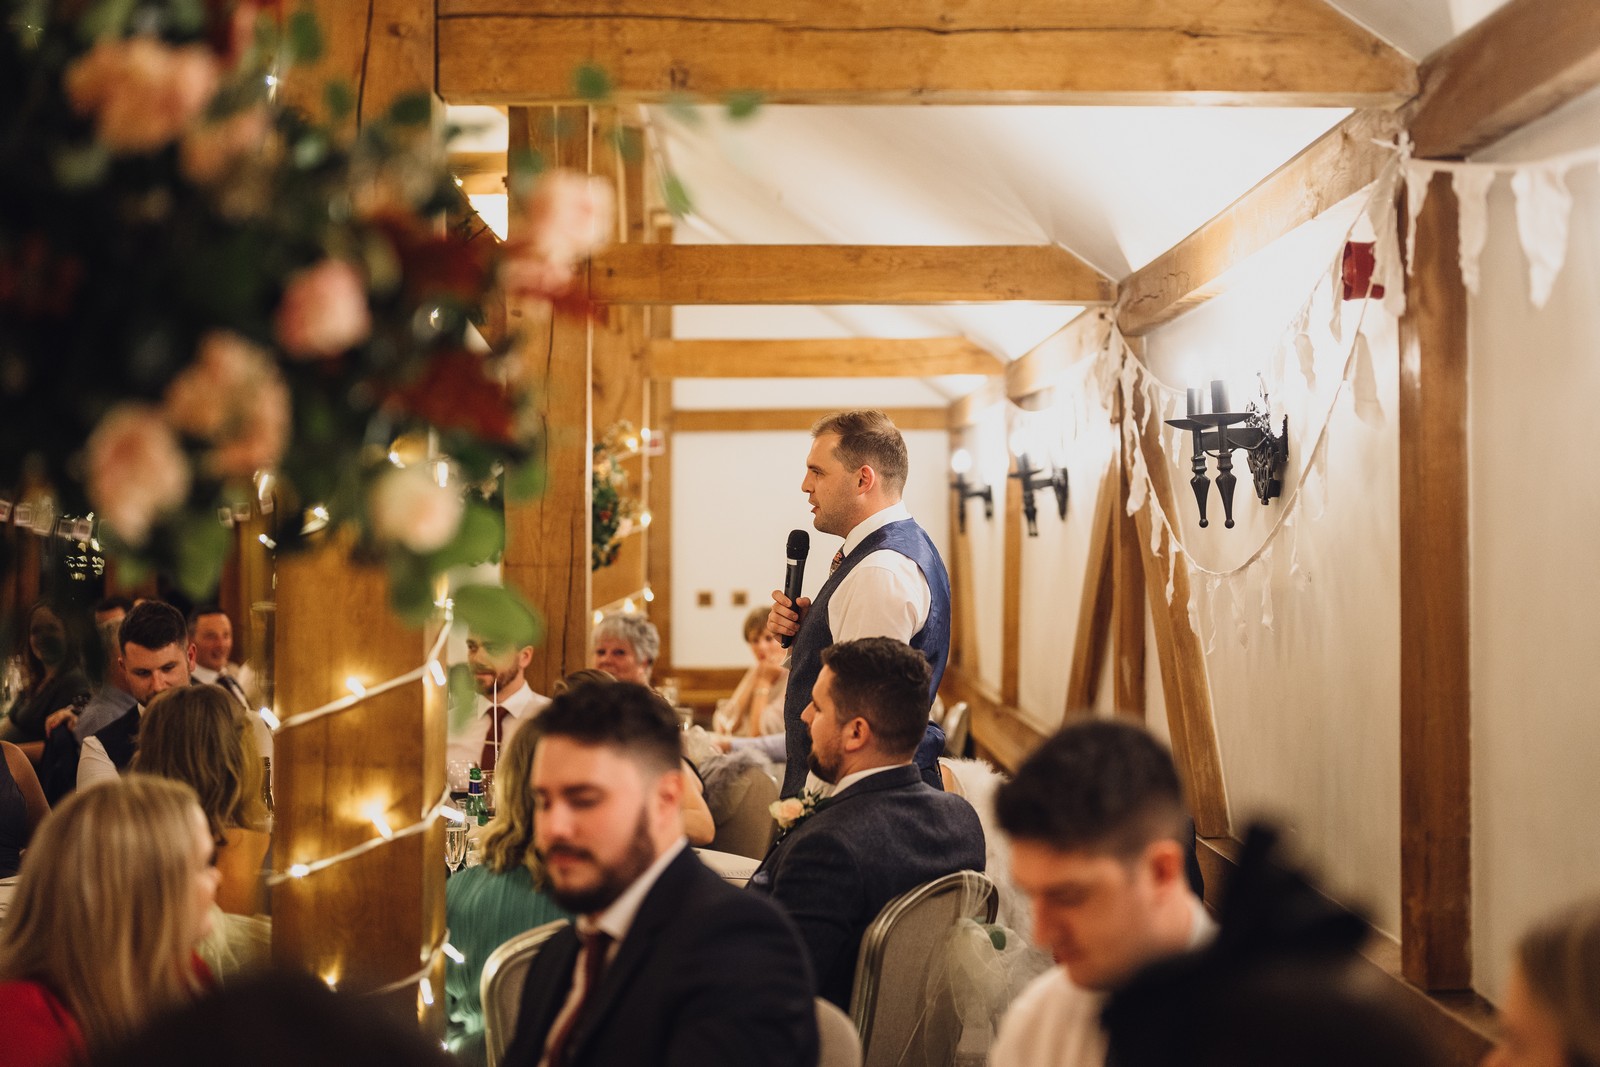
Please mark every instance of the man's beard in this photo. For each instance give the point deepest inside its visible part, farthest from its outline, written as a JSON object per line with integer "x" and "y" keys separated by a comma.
{"x": 496, "y": 682}
{"x": 828, "y": 772}
{"x": 614, "y": 881}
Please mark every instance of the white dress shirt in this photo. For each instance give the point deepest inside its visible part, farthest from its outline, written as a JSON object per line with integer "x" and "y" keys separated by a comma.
{"x": 886, "y": 594}
{"x": 466, "y": 741}
{"x": 94, "y": 763}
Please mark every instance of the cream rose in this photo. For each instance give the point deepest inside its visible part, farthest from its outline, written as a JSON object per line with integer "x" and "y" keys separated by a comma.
{"x": 136, "y": 471}
{"x": 568, "y": 216}
{"x": 324, "y": 311}
{"x": 232, "y": 395}
{"x": 210, "y": 151}
{"x": 408, "y": 506}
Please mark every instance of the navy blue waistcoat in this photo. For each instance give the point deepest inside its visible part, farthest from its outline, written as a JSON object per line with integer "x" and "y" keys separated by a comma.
{"x": 805, "y": 655}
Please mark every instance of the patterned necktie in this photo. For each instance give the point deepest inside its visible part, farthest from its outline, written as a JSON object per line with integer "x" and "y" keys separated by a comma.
{"x": 590, "y": 968}
{"x": 838, "y": 558}
{"x": 234, "y": 688}
{"x": 497, "y": 725}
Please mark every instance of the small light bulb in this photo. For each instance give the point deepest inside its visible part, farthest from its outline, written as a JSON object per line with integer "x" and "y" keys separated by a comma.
{"x": 270, "y": 719}
{"x": 628, "y": 606}
{"x": 961, "y": 462}
{"x": 300, "y": 870}
{"x": 381, "y": 824}
{"x": 454, "y": 953}
{"x": 645, "y": 519}
{"x": 331, "y": 979}
{"x": 354, "y": 685}
{"x": 453, "y": 814}
{"x": 436, "y": 672}
{"x": 394, "y": 457}
{"x": 427, "y": 992}
{"x": 598, "y": 616}
{"x": 649, "y": 596}
{"x": 269, "y": 542}
{"x": 441, "y": 473}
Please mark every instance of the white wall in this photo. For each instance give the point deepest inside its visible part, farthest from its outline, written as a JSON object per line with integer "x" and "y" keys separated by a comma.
{"x": 735, "y": 497}
{"x": 1535, "y": 570}
{"x": 1307, "y": 711}
{"x": 987, "y": 541}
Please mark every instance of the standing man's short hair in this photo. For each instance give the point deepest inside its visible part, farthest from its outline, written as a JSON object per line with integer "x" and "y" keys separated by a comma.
{"x": 1100, "y": 786}
{"x": 154, "y": 625}
{"x": 622, "y": 715}
{"x": 868, "y": 439}
{"x": 885, "y": 682}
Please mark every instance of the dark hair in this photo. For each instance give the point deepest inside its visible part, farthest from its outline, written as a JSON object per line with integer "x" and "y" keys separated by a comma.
{"x": 885, "y": 682}
{"x": 153, "y": 625}
{"x": 203, "y": 610}
{"x": 1100, "y": 785}
{"x": 620, "y": 715}
{"x": 114, "y": 603}
{"x": 72, "y": 646}
{"x": 868, "y": 439}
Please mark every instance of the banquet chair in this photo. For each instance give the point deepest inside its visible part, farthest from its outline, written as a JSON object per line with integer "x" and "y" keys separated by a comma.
{"x": 747, "y": 830}
{"x": 956, "y": 727}
{"x": 890, "y": 1002}
{"x": 500, "y": 988}
{"x": 836, "y": 1035}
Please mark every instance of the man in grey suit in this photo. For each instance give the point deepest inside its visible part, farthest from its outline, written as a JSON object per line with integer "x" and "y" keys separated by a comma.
{"x": 884, "y": 830}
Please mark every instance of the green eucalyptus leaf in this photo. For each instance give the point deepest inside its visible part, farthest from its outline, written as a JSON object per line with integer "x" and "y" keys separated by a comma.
{"x": 305, "y": 37}
{"x": 629, "y": 143}
{"x": 480, "y": 537}
{"x": 524, "y": 166}
{"x": 412, "y": 109}
{"x": 410, "y": 587}
{"x": 498, "y": 614}
{"x": 591, "y": 83}
{"x": 82, "y": 167}
{"x": 339, "y": 99}
{"x": 743, "y": 104}
{"x": 676, "y": 195}
{"x": 108, "y": 18}
{"x": 201, "y": 545}
{"x": 462, "y": 694}
{"x": 524, "y": 481}
{"x": 186, "y": 16}
{"x": 311, "y": 149}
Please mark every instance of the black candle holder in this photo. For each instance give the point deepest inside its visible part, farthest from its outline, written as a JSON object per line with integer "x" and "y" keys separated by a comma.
{"x": 965, "y": 492}
{"x": 1220, "y": 433}
{"x": 1030, "y": 477}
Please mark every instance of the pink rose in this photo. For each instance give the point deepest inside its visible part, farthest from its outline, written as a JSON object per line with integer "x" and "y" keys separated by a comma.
{"x": 136, "y": 470}
{"x": 788, "y": 812}
{"x": 568, "y": 217}
{"x": 324, "y": 311}
{"x": 407, "y": 505}
{"x": 141, "y": 93}
{"x": 232, "y": 394}
{"x": 209, "y": 151}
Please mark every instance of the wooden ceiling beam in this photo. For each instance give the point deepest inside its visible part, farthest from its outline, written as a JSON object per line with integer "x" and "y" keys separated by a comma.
{"x": 1521, "y": 63}
{"x": 966, "y": 411}
{"x": 1043, "y": 364}
{"x": 850, "y": 357}
{"x": 1336, "y": 166}
{"x": 791, "y": 419}
{"x": 1277, "y": 52}
{"x": 845, "y": 274}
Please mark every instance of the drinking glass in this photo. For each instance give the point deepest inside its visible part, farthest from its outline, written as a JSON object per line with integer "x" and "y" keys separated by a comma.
{"x": 455, "y": 845}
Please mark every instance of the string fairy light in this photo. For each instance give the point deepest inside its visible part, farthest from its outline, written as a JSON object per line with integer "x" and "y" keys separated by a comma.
{"x": 297, "y": 871}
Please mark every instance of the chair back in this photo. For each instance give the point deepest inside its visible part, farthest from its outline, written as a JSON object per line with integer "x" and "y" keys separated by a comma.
{"x": 747, "y": 830}
{"x": 957, "y": 724}
{"x": 836, "y": 1035}
{"x": 500, "y": 988}
{"x": 889, "y": 1002}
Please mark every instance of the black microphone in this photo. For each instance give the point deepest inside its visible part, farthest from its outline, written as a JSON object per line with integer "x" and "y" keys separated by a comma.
{"x": 795, "y": 552}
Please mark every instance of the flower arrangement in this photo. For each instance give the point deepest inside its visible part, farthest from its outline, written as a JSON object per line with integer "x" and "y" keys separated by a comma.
{"x": 792, "y": 811}
{"x": 208, "y": 299}
{"x": 612, "y": 511}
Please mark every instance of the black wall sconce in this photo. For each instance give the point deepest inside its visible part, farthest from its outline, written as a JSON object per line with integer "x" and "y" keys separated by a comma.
{"x": 1219, "y": 433}
{"x": 960, "y": 464}
{"x": 1036, "y": 478}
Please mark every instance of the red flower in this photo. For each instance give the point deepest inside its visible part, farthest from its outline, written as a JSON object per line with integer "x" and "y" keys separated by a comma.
{"x": 455, "y": 394}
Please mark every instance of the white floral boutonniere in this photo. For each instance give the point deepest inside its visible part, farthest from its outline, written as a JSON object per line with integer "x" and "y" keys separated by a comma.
{"x": 793, "y": 811}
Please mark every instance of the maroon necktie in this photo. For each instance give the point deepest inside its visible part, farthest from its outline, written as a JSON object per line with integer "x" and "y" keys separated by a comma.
{"x": 593, "y": 966}
{"x": 497, "y": 726}
{"x": 838, "y": 558}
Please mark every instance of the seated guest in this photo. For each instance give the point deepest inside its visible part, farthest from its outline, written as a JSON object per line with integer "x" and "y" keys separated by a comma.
{"x": 199, "y": 736}
{"x": 22, "y": 806}
{"x": 55, "y": 679}
{"x": 883, "y": 830}
{"x": 114, "y": 698}
{"x": 1098, "y": 831}
{"x": 1550, "y": 1015}
{"x": 487, "y": 905}
{"x": 115, "y": 893}
{"x": 697, "y": 821}
{"x": 154, "y": 648}
{"x": 112, "y": 609}
{"x": 666, "y": 963}
{"x": 504, "y": 703}
{"x": 211, "y": 634}
{"x": 756, "y": 707}
{"x": 626, "y": 647}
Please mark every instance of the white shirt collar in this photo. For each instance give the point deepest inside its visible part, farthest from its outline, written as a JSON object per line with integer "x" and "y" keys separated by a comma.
{"x": 522, "y": 703}
{"x": 851, "y": 779}
{"x": 873, "y": 523}
{"x": 204, "y": 674}
{"x": 618, "y": 918}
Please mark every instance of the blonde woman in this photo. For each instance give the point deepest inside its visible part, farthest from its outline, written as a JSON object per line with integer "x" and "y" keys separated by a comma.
{"x": 505, "y": 895}
{"x": 1550, "y": 1016}
{"x": 115, "y": 893}
{"x": 199, "y": 736}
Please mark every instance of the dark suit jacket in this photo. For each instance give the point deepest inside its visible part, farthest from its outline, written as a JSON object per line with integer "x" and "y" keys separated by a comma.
{"x": 706, "y": 975}
{"x": 834, "y": 872}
